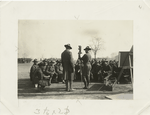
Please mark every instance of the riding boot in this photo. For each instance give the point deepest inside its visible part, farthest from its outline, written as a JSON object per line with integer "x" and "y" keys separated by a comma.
{"x": 70, "y": 84}
{"x": 88, "y": 81}
{"x": 85, "y": 84}
{"x": 67, "y": 85}
{"x": 49, "y": 82}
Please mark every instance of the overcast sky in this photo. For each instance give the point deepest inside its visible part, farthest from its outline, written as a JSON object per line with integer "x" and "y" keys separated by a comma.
{"x": 47, "y": 38}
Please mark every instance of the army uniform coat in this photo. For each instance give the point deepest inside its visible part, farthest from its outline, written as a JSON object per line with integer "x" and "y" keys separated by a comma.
{"x": 59, "y": 69}
{"x": 33, "y": 70}
{"x": 38, "y": 76}
{"x": 50, "y": 70}
{"x": 68, "y": 65}
{"x": 86, "y": 64}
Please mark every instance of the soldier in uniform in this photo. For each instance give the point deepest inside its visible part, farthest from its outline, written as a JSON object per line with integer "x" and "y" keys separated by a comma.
{"x": 95, "y": 70}
{"x": 100, "y": 72}
{"x": 68, "y": 67}
{"x": 39, "y": 75}
{"x": 45, "y": 64}
{"x": 77, "y": 70}
{"x": 33, "y": 69}
{"x": 59, "y": 71}
{"x": 45, "y": 61}
{"x": 86, "y": 67}
{"x": 107, "y": 70}
{"x": 50, "y": 70}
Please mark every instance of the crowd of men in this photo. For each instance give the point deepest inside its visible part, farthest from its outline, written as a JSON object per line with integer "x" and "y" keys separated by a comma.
{"x": 46, "y": 72}
{"x": 99, "y": 70}
{"x": 102, "y": 69}
{"x": 86, "y": 69}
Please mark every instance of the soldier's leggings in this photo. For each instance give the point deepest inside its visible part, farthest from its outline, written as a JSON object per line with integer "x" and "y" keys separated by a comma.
{"x": 68, "y": 85}
{"x": 86, "y": 80}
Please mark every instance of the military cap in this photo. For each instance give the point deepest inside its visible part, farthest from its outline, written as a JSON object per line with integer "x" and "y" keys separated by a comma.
{"x": 87, "y": 48}
{"x": 58, "y": 61}
{"x": 110, "y": 61}
{"x": 35, "y": 60}
{"x": 68, "y": 46}
{"x": 45, "y": 60}
{"x": 41, "y": 64}
{"x": 52, "y": 61}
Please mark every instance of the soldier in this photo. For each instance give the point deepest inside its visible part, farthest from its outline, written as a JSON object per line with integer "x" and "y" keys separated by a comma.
{"x": 77, "y": 70}
{"x": 59, "y": 71}
{"x": 95, "y": 70}
{"x": 86, "y": 67}
{"x": 45, "y": 64}
{"x": 39, "y": 75}
{"x": 40, "y": 79}
{"x": 68, "y": 66}
{"x": 50, "y": 70}
{"x": 45, "y": 61}
{"x": 107, "y": 70}
{"x": 33, "y": 69}
{"x": 100, "y": 72}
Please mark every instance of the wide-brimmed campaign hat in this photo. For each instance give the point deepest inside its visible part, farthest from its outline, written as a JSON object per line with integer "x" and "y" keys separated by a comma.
{"x": 87, "y": 48}
{"x": 35, "y": 60}
{"x": 45, "y": 60}
{"x": 52, "y": 61}
{"x": 68, "y": 46}
{"x": 58, "y": 61}
{"x": 41, "y": 64}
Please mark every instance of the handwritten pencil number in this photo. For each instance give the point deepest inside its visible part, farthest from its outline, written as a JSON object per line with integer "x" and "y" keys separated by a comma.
{"x": 67, "y": 111}
{"x": 53, "y": 112}
{"x": 37, "y": 111}
{"x": 60, "y": 111}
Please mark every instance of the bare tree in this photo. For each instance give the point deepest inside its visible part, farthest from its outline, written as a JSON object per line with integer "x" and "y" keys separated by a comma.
{"x": 97, "y": 45}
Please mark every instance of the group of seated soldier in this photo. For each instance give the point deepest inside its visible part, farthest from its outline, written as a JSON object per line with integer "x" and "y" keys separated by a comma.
{"x": 101, "y": 70}
{"x": 46, "y": 72}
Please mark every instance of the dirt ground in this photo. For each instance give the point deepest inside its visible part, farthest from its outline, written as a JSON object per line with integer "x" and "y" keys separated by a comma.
{"x": 57, "y": 90}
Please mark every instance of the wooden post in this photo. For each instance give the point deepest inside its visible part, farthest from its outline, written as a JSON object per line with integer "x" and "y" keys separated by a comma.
{"x": 130, "y": 68}
{"x": 120, "y": 74}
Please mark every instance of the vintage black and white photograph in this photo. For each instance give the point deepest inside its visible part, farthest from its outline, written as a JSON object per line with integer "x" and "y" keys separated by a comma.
{"x": 75, "y": 59}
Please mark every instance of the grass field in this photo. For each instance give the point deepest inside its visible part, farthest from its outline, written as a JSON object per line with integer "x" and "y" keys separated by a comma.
{"x": 57, "y": 90}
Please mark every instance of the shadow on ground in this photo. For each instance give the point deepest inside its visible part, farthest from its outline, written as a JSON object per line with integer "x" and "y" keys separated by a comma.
{"x": 26, "y": 88}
